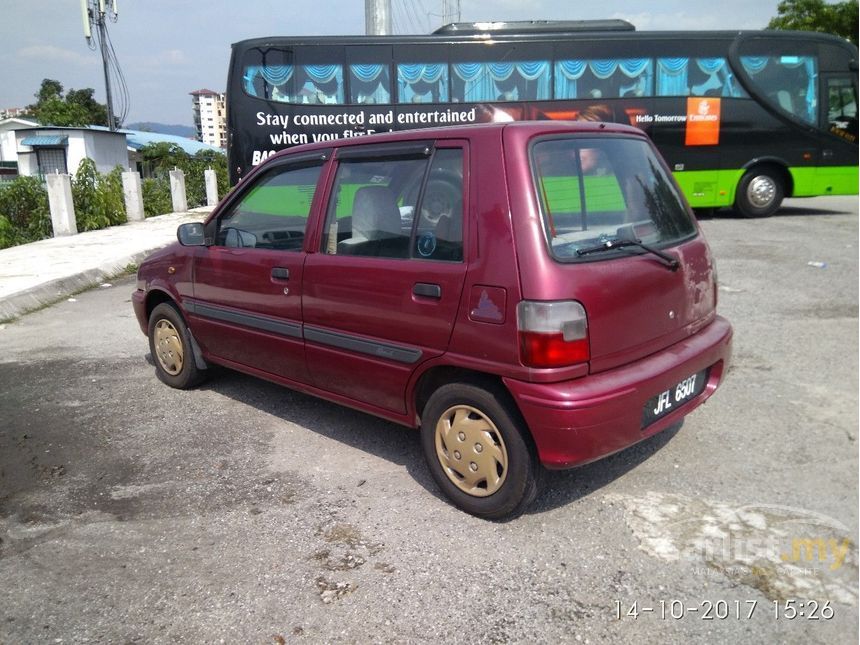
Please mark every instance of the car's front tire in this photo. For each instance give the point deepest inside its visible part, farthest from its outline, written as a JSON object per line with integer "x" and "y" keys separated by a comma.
{"x": 170, "y": 345}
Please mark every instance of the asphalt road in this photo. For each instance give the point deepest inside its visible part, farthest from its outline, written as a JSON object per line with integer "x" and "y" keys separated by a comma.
{"x": 243, "y": 512}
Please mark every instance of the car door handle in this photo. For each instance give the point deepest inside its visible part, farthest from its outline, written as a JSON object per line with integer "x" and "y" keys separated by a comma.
{"x": 280, "y": 273}
{"x": 427, "y": 290}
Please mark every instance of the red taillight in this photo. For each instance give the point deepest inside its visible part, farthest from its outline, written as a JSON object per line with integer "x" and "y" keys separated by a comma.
{"x": 552, "y": 334}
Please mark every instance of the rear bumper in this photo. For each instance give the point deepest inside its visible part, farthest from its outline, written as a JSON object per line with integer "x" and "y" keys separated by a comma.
{"x": 574, "y": 422}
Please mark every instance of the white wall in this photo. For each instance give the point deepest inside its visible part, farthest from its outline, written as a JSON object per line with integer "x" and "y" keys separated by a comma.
{"x": 8, "y": 142}
{"x": 8, "y": 148}
{"x": 107, "y": 149}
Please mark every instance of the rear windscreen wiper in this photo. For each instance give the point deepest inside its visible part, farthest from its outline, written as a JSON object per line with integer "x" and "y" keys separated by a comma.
{"x": 611, "y": 244}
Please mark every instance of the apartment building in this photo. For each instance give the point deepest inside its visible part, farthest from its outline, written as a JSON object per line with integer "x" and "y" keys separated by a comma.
{"x": 210, "y": 117}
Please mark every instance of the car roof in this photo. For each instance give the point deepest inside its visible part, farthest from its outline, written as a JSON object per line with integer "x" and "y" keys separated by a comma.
{"x": 470, "y": 131}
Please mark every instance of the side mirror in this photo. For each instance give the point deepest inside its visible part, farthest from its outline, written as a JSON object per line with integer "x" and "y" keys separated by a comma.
{"x": 191, "y": 234}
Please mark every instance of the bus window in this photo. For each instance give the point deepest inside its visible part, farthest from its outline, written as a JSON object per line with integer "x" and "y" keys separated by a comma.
{"x": 788, "y": 81}
{"x": 369, "y": 83}
{"x": 500, "y": 81}
{"x": 422, "y": 73}
{"x": 319, "y": 84}
{"x": 697, "y": 77}
{"x": 842, "y": 108}
{"x": 672, "y": 76}
{"x": 604, "y": 78}
{"x": 422, "y": 83}
{"x": 369, "y": 74}
{"x": 713, "y": 77}
{"x": 268, "y": 74}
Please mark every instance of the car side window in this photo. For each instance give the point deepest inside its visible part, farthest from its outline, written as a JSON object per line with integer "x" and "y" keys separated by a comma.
{"x": 439, "y": 229}
{"x": 375, "y": 210}
{"x": 370, "y": 213}
{"x": 273, "y": 213}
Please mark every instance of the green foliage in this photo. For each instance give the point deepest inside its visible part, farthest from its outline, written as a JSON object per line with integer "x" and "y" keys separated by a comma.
{"x": 839, "y": 18}
{"x": 156, "y": 196}
{"x": 161, "y": 158}
{"x": 24, "y": 212}
{"x": 8, "y": 233}
{"x": 77, "y": 108}
{"x": 98, "y": 198}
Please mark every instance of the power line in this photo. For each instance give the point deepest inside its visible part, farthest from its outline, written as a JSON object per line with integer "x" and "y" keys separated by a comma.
{"x": 95, "y": 13}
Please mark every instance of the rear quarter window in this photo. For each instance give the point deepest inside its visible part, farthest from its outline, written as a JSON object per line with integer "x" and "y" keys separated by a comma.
{"x": 595, "y": 189}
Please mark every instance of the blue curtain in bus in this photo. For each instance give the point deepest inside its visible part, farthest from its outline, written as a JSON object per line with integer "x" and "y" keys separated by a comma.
{"x": 603, "y": 69}
{"x": 810, "y": 109}
{"x": 567, "y": 72}
{"x": 326, "y": 81}
{"x": 374, "y": 81}
{"x": 251, "y": 72}
{"x": 711, "y": 67}
{"x": 417, "y": 82}
{"x": 754, "y": 64}
{"x": 640, "y": 69}
{"x": 672, "y": 76}
{"x": 633, "y": 67}
{"x": 487, "y": 81}
{"x": 272, "y": 74}
{"x": 477, "y": 84}
{"x": 535, "y": 71}
{"x": 811, "y": 66}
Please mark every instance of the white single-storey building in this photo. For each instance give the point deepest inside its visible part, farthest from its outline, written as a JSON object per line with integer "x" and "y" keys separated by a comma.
{"x": 27, "y": 148}
{"x": 44, "y": 150}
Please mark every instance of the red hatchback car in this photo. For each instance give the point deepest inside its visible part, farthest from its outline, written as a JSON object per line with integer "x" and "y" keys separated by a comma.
{"x": 527, "y": 294}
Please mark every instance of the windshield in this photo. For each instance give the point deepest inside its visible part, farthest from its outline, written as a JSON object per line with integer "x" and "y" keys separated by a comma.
{"x": 597, "y": 189}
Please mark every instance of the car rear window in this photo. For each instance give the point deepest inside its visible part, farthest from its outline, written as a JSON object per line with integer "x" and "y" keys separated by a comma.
{"x": 593, "y": 190}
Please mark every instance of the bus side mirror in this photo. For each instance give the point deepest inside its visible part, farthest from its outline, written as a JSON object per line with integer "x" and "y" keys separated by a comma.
{"x": 191, "y": 234}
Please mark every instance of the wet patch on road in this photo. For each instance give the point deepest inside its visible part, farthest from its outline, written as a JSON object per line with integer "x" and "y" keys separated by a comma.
{"x": 783, "y": 552}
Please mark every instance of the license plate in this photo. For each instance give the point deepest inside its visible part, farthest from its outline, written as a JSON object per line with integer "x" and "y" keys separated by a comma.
{"x": 670, "y": 400}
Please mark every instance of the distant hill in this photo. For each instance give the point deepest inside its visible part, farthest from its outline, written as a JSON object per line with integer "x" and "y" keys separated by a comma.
{"x": 186, "y": 131}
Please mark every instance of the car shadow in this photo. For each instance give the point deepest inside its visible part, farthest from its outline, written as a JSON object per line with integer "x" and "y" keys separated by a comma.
{"x": 561, "y": 487}
{"x": 402, "y": 446}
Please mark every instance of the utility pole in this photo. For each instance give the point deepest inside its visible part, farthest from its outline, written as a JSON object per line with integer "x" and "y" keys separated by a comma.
{"x": 377, "y": 17}
{"x": 95, "y": 13}
{"x": 450, "y": 11}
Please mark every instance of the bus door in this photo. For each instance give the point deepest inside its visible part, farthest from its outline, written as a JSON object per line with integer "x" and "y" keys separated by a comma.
{"x": 837, "y": 172}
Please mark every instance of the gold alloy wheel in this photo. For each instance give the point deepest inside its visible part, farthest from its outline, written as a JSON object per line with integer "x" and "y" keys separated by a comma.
{"x": 471, "y": 451}
{"x": 168, "y": 347}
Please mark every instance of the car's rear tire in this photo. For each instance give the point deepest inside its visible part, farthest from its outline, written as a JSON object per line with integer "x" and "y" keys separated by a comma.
{"x": 478, "y": 451}
{"x": 170, "y": 345}
{"x": 760, "y": 192}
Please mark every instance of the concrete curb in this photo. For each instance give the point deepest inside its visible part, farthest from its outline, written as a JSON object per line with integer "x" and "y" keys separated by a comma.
{"x": 34, "y": 298}
{"x": 80, "y": 262}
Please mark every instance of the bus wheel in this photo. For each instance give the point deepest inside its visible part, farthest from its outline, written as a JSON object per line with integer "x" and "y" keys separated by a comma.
{"x": 760, "y": 193}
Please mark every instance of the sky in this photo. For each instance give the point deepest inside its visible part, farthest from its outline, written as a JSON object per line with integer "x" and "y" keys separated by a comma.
{"x": 169, "y": 48}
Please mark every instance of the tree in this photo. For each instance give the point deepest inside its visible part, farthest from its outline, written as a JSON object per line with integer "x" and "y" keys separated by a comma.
{"x": 96, "y": 112}
{"x": 816, "y": 15}
{"x": 77, "y": 108}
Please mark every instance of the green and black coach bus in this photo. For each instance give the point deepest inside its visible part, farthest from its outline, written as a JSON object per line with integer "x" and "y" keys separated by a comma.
{"x": 744, "y": 119}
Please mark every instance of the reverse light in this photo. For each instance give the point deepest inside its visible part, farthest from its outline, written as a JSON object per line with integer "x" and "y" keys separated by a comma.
{"x": 552, "y": 334}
